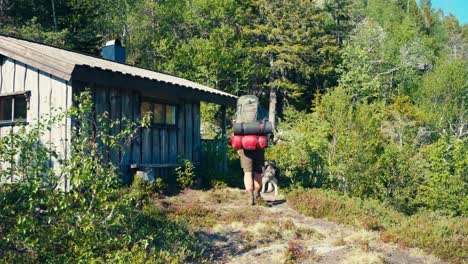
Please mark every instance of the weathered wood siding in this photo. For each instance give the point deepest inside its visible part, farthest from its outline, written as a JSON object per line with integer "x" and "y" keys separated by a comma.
{"x": 49, "y": 96}
{"x": 154, "y": 145}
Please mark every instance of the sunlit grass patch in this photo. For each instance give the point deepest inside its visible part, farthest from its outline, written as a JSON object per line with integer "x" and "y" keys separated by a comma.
{"x": 223, "y": 195}
{"x": 194, "y": 215}
{"x": 444, "y": 236}
{"x": 360, "y": 256}
{"x": 245, "y": 215}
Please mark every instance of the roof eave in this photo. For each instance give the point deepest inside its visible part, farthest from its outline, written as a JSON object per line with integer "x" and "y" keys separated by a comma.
{"x": 36, "y": 59}
{"x": 108, "y": 78}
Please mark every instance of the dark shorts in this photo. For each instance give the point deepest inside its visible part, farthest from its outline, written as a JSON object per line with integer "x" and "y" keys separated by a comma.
{"x": 252, "y": 160}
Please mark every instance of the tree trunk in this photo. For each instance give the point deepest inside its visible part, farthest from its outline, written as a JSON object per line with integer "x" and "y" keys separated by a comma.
{"x": 272, "y": 109}
{"x": 53, "y": 15}
{"x": 273, "y": 99}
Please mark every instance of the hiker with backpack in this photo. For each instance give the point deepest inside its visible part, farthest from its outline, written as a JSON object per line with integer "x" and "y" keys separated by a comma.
{"x": 250, "y": 140}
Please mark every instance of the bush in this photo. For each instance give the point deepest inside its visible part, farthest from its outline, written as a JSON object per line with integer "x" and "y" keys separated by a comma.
{"x": 98, "y": 220}
{"x": 300, "y": 150}
{"x": 211, "y": 170}
{"x": 433, "y": 232}
{"x": 185, "y": 174}
{"x": 444, "y": 181}
{"x": 376, "y": 149}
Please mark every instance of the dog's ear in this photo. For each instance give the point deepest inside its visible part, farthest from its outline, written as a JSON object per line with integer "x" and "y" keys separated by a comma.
{"x": 266, "y": 163}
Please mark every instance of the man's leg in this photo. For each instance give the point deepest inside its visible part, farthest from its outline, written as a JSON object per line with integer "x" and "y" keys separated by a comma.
{"x": 258, "y": 181}
{"x": 249, "y": 187}
{"x": 248, "y": 182}
{"x": 258, "y": 163}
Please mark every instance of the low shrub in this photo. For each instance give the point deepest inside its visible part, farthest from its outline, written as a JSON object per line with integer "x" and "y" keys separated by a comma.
{"x": 443, "y": 235}
{"x": 57, "y": 227}
{"x": 98, "y": 220}
{"x": 381, "y": 149}
{"x": 185, "y": 174}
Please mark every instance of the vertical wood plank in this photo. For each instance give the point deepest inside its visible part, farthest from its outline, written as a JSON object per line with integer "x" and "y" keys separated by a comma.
{"x": 12, "y": 86}
{"x": 181, "y": 130}
{"x": 58, "y": 99}
{"x": 58, "y": 106}
{"x": 172, "y": 145}
{"x": 8, "y": 73}
{"x": 115, "y": 114}
{"x": 44, "y": 109}
{"x": 20, "y": 78}
{"x": 136, "y": 146}
{"x": 32, "y": 84}
{"x": 126, "y": 112}
{"x": 164, "y": 146}
{"x": 100, "y": 106}
{"x": 8, "y": 77}
{"x": 188, "y": 131}
{"x": 147, "y": 140}
{"x": 224, "y": 136}
{"x": 68, "y": 124}
{"x": 156, "y": 157}
{"x": 196, "y": 132}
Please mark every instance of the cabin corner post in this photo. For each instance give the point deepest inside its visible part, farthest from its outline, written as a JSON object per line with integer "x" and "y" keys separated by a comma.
{"x": 224, "y": 138}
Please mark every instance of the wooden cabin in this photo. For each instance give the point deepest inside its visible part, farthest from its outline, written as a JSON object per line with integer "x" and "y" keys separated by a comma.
{"x": 36, "y": 78}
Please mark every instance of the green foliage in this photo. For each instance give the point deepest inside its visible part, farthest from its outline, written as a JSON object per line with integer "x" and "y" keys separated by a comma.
{"x": 443, "y": 96}
{"x": 33, "y": 30}
{"x": 375, "y": 94}
{"x": 211, "y": 170}
{"x": 374, "y": 149}
{"x": 444, "y": 184}
{"x": 75, "y": 24}
{"x": 185, "y": 174}
{"x": 395, "y": 126}
{"x": 98, "y": 220}
{"x": 293, "y": 47}
{"x": 299, "y": 152}
{"x": 442, "y": 235}
{"x": 211, "y": 119}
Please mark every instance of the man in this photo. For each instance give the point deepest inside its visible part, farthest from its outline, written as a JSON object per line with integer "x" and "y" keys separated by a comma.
{"x": 249, "y": 111}
{"x": 252, "y": 165}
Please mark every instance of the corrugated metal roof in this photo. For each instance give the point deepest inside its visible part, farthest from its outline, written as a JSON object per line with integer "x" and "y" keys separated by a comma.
{"x": 61, "y": 62}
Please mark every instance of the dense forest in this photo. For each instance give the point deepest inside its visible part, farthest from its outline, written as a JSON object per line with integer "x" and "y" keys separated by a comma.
{"x": 371, "y": 95}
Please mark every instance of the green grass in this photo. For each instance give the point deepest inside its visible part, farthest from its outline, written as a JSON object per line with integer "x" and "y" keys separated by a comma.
{"x": 444, "y": 236}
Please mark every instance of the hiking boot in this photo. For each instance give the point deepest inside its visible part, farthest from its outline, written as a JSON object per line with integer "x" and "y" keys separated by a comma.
{"x": 257, "y": 194}
{"x": 251, "y": 198}
{"x": 259, "y": 200}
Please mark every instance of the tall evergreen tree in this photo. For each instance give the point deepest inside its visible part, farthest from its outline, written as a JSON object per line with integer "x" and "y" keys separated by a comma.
{"x": 295, "y": 54}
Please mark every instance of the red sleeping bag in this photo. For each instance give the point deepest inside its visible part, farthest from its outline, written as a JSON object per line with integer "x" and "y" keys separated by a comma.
{"x": 248, "y": 142}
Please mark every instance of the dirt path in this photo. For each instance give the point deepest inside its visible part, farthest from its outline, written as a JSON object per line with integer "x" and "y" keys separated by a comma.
{"x": 237, "y": 233}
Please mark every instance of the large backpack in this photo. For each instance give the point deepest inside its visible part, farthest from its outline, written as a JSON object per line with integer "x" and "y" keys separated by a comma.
{"x": 247, "y": 109}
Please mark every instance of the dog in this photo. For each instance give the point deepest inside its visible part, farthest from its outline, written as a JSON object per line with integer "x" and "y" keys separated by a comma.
{"x": 270, "y": 170}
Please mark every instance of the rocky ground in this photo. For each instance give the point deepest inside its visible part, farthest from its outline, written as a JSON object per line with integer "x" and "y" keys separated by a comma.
{"x": 275, "y": 233}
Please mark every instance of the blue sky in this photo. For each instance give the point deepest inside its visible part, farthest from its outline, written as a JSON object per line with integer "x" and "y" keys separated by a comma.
{"x": 459, "y": 8}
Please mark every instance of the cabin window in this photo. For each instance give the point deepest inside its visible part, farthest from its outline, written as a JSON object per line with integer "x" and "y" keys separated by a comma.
{"x": 170, "y": 115}
{"x": 158, "y": 114}
{"x": 13, "y": 108}
{"x": 162, "y": 114}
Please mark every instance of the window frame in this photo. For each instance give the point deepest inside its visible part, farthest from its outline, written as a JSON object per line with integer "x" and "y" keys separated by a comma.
{"x": 12, "y": 122}
{"x": 153, "y": 102}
